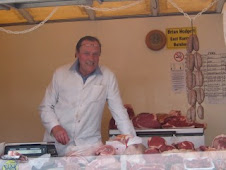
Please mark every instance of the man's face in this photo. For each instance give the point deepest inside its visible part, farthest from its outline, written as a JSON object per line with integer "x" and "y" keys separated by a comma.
{"x": 88, "y": 56}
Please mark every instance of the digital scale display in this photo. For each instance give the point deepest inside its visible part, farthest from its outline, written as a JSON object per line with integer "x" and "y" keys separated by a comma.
{"x": 25, "y": 151}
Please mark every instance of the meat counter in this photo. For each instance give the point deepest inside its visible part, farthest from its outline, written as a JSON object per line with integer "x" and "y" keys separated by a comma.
{"x": 208, "y": 160}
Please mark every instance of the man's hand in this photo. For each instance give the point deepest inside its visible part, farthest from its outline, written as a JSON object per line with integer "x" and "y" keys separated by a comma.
{"x": 60, "y": 134}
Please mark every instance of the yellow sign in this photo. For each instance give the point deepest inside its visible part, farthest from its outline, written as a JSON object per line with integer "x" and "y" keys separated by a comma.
{"x": 10, "y": 165}
{"x": 177, "y": 37}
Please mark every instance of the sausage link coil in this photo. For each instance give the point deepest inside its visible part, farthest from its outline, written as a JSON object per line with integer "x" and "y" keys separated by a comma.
{"x": 198, "y": 60}
{"x": 192, "y": 113}
{"x": 192, "y": 98}
{"x": 189, "y": 45}
{"x": 199, "y": 78}
{"x": 190, "y": 79}
{"x": 200, "y": 112}
{"x": 188, "y": 116}
{"x": 190, "y": 61}
{"x": 200, "y": 94}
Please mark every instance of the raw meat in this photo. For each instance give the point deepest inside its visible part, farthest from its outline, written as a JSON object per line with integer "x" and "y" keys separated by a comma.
{"x": 105, "y": 150}
{"x": 187, "y": 145}
{"x": 164, "y": 148}
{"x": 219, "y": 142}
{"x": 156, "y": 142}
{"x": 206, "y": 148}
{"x": 151, "y": 150}
{"x": 161, "y": 117}
{"x": 112, "y": 124}
{"x": 130, "y": 110}
{"x": 176, "y": 121}
{"x": 175, "y": 113}
{"x": 146, "y": 120}
{"x": 200, "y": 125}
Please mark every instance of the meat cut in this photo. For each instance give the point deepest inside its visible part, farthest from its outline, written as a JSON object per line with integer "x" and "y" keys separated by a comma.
{"x": 219, "y": 142}
{"x": 165, "y": 148}
{"x": 145, "y": 121}
{"x": 187, "y": 145}
{"x": 176, "y": 121}
{"x": 156, "y": 141}
{"x": 151, "y": 150}
{"x": 105, "y": 150}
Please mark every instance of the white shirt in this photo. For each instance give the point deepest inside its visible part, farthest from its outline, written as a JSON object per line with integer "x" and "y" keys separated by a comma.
{"x": 78, "y": 106}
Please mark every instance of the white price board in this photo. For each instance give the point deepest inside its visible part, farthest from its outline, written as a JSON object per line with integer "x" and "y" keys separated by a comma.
{"x": 214, "y": 70}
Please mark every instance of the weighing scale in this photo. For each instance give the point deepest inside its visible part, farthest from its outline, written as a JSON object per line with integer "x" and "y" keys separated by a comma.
{"x": 32, "y": 149}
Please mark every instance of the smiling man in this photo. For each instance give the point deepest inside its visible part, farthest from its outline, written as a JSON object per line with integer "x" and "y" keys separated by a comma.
{"x": 72, "y": 108}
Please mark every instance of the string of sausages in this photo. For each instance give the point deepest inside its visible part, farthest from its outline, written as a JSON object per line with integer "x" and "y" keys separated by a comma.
{"x": 194, "y": 79}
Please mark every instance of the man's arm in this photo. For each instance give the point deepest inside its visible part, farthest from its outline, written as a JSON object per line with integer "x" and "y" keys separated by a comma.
{"x": 117, "y": 108}
{"x": 48, "y": 116}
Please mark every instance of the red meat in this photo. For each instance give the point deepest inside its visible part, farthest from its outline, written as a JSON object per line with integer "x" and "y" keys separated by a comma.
{"x": 156, "y": 142}
{"x": 219, "y": 142}
{"x": 146, "y": 121}
{"x": 164, "y": 148}
{"x": 112, "y": 124}
{"x": 187, "y": 145}
{"x": 176, "y": 121}
{"x": 151, "y": 150}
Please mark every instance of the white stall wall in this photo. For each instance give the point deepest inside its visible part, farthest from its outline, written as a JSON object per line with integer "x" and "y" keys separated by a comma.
{"x": 27, "y": 62}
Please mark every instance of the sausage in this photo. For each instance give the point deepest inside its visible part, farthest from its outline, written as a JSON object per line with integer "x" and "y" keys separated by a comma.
{"x": 189, "y": 45}
{"x": 200, "y": 112}
{"x": 188, "y": 116}
{"x": 198, "y": 60}
{"x": 191, "y": 113}
{"x": 200, "y": 95}
{"x": 199, "y": 78}
{"x": 195, "y": 42}
{"x": 192, "y": 98}
{"x": 190, "y": 80}
{"x": 190, "y": 61}
{"x": 193, "y": 80}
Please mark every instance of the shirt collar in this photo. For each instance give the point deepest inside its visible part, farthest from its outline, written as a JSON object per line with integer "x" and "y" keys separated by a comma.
{"x": 75, "y": 67}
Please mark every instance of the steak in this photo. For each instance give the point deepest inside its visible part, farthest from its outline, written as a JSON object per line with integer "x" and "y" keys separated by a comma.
{"x": 146, "y": 121}
{"x": 219, "y": 142}
{"x": 187, "y": 145}
{"x": 156, "y": 142}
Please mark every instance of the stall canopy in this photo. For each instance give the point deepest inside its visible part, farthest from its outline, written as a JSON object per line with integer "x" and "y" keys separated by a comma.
{"x": 20, "y": 12}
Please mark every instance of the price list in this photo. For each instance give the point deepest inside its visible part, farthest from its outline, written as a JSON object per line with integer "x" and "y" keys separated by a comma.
{"x": 214, "y": 71}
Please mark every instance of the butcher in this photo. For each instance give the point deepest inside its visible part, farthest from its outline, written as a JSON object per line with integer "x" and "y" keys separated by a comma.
{"x": 72, "y": 108}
